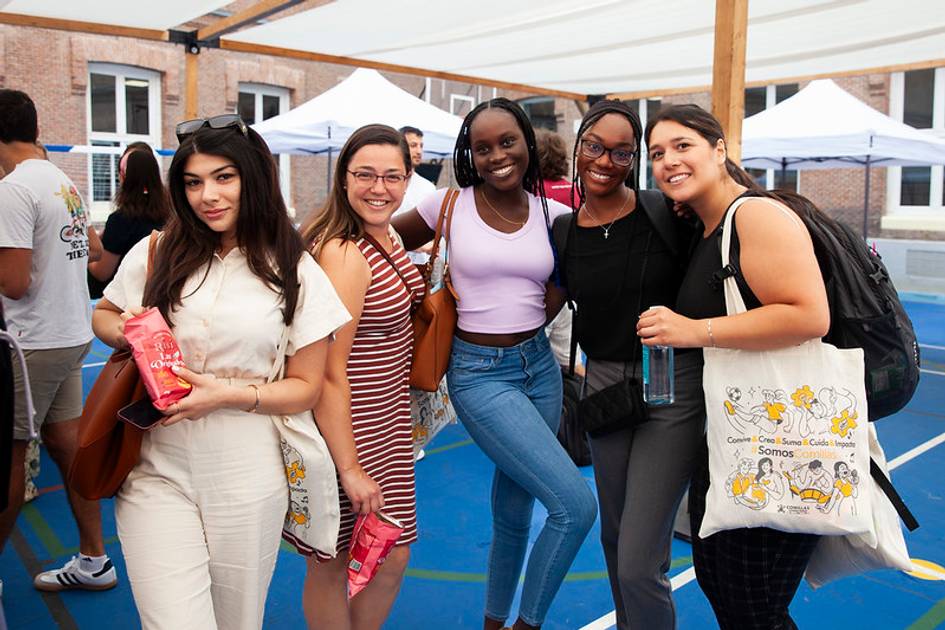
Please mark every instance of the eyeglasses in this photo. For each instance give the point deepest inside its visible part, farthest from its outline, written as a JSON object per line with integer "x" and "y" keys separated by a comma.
{"x": 223, "y": 121}
{"x": 367, "y": 178}
{"x": 594, "y": 149}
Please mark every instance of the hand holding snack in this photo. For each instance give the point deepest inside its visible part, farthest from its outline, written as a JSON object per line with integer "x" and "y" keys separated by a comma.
{"x": 373, "y": 538}
{"x": 363, "y": 492}
{"x": 208, "y": 395}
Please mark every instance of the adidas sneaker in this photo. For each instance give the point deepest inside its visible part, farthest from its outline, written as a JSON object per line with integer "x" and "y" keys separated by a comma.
{"x": 78, "y": 573}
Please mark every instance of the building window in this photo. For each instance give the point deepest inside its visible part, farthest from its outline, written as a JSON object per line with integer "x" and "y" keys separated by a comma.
{"x": 917, "y": 98}
{"x": 758, "y": 99}
{"x": 541, "y": 112}
{"x": 124, "y": 107}
{"x": 460, "y": 104}
{"x": 257, "y": 102}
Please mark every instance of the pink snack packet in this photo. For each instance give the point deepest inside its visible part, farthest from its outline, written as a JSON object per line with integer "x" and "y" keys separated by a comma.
{"x": 156, "y": 352}
{"x": 373, "y": 538}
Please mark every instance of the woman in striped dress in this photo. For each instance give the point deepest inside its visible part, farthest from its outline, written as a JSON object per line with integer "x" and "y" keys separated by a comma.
{"x": 365, "y": 395}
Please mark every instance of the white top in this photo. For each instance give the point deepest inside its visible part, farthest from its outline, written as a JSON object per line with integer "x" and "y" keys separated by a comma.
{"x": 232, "y": 325}
{"x": 41, "y": 210}
{"x": 418, "y": 189}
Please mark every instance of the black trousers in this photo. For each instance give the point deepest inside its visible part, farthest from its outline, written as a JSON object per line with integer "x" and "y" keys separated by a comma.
{"x": 750, "y": 575}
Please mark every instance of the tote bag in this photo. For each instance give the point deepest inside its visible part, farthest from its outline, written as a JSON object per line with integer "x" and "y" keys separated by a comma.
{"x": 313, "y": 516}
{"x": 787, "y": 433}
{"x": 841, "y": 556}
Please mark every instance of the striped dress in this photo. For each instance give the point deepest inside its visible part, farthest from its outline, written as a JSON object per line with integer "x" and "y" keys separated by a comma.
{"x": 378, "y": 371}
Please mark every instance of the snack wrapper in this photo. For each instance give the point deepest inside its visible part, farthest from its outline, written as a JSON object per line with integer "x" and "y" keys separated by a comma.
{"x": 373, "y": 538}
{"x": 156, "y": 352}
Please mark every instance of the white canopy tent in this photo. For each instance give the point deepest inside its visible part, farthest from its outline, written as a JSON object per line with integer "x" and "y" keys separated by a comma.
{"x": 325, "y": 122}
{"x": 823, "y": 126}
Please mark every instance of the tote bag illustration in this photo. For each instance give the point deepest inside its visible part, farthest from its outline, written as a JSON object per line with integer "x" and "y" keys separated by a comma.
{"x": 787, "y": 434}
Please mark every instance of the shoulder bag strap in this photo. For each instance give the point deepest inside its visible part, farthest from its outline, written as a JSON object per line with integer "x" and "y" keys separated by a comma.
{"x": 446, "y": 215}
{"x": 380, "y": 250}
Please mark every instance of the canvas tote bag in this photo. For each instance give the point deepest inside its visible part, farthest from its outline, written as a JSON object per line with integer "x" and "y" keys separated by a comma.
{"x": 313, "y": 516}
{"x": 787, "y": 433}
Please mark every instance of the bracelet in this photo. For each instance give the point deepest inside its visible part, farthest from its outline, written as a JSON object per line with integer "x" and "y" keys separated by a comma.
{"x": 255, "y": 407}
{"x": 708, "y": 326}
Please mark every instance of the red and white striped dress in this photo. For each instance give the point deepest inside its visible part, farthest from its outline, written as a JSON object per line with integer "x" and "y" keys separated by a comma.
{"x": 379, "y": 371}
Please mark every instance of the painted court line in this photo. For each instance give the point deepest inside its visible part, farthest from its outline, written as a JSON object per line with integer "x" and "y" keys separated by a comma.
{"x": 931, "y": 347}
{"x": 937, "y": 373}
{"x": 91, "y": 365}
{"x": 687, "y": 576}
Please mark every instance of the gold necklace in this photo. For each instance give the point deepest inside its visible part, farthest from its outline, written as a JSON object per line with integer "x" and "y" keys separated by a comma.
{"x": 587, "y": 208}
{"x": 482, "y": 194}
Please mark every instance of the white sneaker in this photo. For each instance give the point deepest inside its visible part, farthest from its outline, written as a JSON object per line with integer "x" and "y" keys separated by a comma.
{"x": 73, "y": 575}
{"x": 421, "y": 454}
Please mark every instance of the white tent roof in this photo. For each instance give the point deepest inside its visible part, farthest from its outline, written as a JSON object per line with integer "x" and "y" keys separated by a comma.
{"x": 608, "y": 46}
{"x": 365, "y": 97}
{"x": 153, "y": 15}
{"x": 822, "y": 126}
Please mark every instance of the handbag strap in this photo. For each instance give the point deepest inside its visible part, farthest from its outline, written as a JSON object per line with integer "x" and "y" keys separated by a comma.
{"x": 279, "y": 363}
{"x": 886, "y": 486}
{"x": 380, "y": 250}
{"x": 443, "y": 225}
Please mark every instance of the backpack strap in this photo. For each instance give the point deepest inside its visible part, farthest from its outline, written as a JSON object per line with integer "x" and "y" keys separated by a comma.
{"x": 886, "y": 485}
{"x": 658, "y": 209}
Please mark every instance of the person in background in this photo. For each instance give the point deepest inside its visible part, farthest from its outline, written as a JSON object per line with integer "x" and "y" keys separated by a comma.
{"x": 418, "y": 188}
{"x": 749, "y": 575}
{"x": 554, "y": 166}
{"x": 141, "y": 206}
{"x": 200, "y": 516}
{"x": 503, "y": 379}
{"x": 366, "y": 383}
{"x": 45, "y": 246}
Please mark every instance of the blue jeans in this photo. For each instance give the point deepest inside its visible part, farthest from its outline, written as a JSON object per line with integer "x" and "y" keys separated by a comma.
{"x": 509, "y": 399}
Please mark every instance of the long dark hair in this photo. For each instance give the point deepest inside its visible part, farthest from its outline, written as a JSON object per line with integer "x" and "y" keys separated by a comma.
{"x": 142, "y": 194}
{"x": 594, "y": 113}
{"x": 706, "y": 125}
{"x": 264, "y": 232}
{"x": 337, "y": 219}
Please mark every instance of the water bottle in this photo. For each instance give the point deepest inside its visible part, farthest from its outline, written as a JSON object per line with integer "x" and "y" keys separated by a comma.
{"x": 658, "y": 376}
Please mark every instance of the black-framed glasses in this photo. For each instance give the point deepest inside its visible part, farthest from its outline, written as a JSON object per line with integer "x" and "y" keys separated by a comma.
{"x": 223, "y": 121}
{"x": 367, "y": 178}
{"x": 619, "y": 156}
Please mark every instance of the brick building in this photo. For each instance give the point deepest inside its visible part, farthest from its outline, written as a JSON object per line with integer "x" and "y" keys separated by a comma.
{"x": 108, "y": 90}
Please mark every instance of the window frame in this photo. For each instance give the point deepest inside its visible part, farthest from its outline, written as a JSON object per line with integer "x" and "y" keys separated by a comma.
{"x": 120, "y": 73}
{"x": 259, "y": 90}
{"x": 898, "y": 216}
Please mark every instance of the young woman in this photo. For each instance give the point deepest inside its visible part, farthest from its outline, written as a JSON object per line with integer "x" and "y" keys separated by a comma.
{"x": 504, "y": 382}
{"x": 748, "y": 575}
{"x": 620, "y": 257}
{"x": 141, "y": 205}
{"x": 201, "y": 514}
{"x": 366, "y": 383}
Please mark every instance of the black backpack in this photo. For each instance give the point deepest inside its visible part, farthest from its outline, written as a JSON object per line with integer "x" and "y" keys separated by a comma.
{"x": 865, "y": 311}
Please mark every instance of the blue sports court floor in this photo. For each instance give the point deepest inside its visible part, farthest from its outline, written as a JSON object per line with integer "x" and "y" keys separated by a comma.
{"x": 445, "y": 583}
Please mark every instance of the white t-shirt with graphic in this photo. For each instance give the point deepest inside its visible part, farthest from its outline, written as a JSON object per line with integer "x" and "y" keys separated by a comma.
{"x": 41, "y": 210}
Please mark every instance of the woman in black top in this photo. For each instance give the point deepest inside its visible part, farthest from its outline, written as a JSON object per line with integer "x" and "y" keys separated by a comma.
{"x": 625, "y": 251}
{"x": 749, "y": 575}
{"x": 142, "y": 205}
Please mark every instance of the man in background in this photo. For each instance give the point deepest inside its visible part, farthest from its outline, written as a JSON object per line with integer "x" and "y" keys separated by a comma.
{"x": 419, "y": 187}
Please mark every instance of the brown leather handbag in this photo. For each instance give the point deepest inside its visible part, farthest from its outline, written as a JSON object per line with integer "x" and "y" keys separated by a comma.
{"x": 107, "y": 448}
{"x": 434, "y": 320}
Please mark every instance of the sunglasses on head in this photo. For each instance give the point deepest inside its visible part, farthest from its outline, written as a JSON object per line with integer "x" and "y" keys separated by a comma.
{"x": 222, "y": 121}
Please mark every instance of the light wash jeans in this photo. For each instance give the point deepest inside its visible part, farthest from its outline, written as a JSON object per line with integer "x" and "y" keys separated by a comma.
{"x": 509, "y": 399}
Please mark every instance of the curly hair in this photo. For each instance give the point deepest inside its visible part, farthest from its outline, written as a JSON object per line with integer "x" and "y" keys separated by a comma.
{"x": 552, "y": 155}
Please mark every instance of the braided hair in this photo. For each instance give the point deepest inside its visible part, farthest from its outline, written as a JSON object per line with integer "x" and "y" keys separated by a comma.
{"x": 465, "y": 169}
{"x": 594, "y": 113}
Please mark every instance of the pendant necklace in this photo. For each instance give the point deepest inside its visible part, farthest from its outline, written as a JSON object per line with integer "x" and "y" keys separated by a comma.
{"x": 482, "y": 193}
{"x": 600, "y": 224}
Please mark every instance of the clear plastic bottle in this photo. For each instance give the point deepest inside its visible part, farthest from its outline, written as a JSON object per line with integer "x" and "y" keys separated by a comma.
{"x": 658, "y": 375}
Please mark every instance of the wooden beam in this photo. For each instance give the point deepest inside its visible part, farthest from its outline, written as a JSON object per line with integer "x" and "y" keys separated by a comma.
{"x": 257, "y": 11}
{"x": 803, "y": 78}
{"x": 260, "y": 49}
{"x": 191, "y": 101}
{"x": 728, "y": 71}
{"x": 18, "y": 19}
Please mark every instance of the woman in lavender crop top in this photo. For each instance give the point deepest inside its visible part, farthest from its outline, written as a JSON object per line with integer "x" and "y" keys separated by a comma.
{"x": 503, "y": 380}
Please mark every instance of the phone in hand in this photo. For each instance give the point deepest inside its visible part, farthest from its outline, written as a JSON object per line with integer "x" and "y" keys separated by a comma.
{"x": 141, "y": 414}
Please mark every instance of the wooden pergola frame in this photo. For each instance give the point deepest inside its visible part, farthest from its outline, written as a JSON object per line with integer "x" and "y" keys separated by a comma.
{"x": 728, "y": 68}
